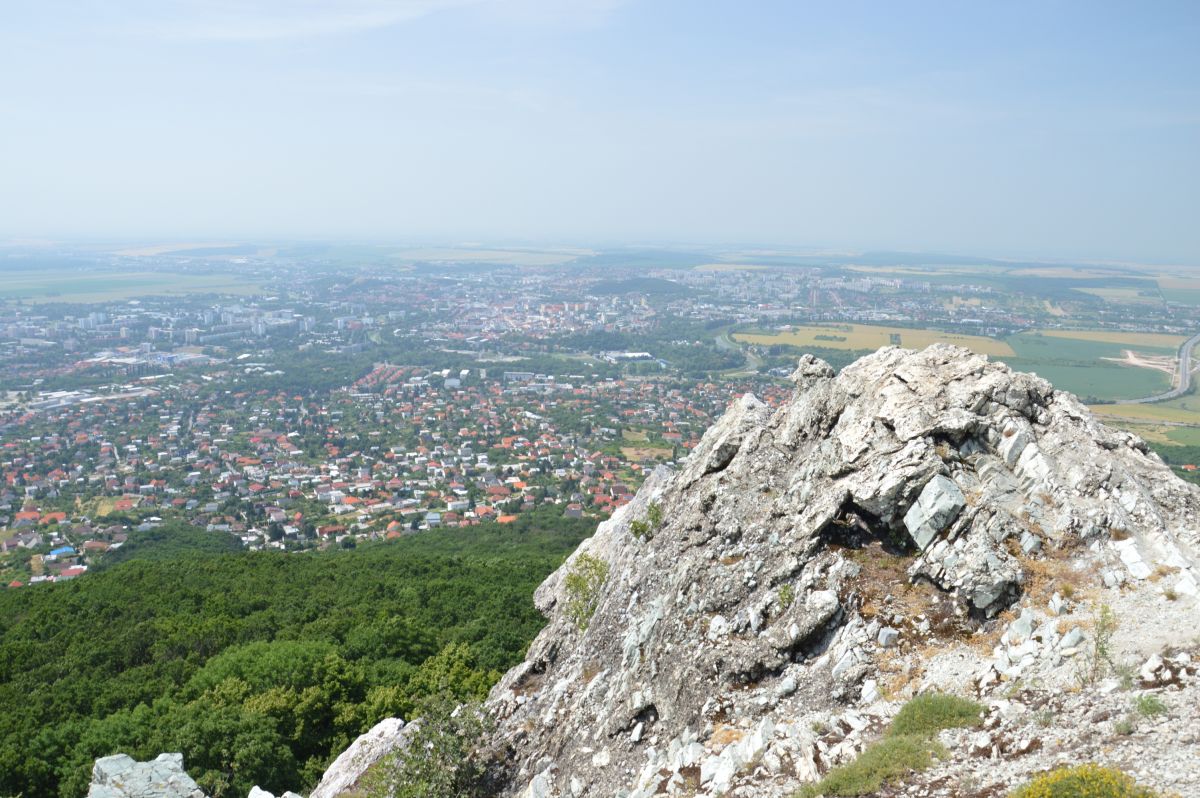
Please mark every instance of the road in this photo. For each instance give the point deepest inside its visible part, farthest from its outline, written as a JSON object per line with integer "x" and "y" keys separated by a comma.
{"x": 753, "y": 361}
{"x": 1184, "y": 383}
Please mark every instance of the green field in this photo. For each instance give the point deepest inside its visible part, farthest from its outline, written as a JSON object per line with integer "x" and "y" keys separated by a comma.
{"x": 1185, "y": 410}
{"x": 1084, "y": 362}
{"x": 34, "y": 286}
{"x": 1080, "y": 366}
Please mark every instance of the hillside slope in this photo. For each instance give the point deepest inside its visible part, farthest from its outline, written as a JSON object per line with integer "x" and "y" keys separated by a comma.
{"x": 922, "y": 520}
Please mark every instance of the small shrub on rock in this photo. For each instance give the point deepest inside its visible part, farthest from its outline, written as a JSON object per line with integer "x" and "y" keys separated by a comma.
{"x": 1084, "y": 781}
{"x": 909, "y": 745}
{"x": 928, "y": 714}
{"x": 583, "y": 583}
{"x": 883, "y": 762}
{"x": 644, "y": 528}
{"x": 442, "y": 758}
{"x": 1149, "y": 705}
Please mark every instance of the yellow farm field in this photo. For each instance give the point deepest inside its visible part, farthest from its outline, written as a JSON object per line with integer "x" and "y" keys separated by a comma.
{"x": 730, "y": 267}
{"x": 869, "y": 336}
{"x": 1130, "y": 295}
{"x": 914, "y": 271}
{"x": 1117, "y": 337}
{"x": 637, "y": 453}
{"x": 518, "y": 257}
{"x": 1161, "y": 411}
{"x": 1186, "y": 283}
{"x": 1070, "y": 272}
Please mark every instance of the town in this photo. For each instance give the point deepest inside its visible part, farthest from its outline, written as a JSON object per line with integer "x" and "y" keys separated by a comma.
{"x": 304, "y": 403}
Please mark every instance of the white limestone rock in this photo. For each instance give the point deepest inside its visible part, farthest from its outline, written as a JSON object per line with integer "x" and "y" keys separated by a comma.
{"x": 938, "y": 504}
{"x": 385, "y": 737}
{"x": 120, "y": 776}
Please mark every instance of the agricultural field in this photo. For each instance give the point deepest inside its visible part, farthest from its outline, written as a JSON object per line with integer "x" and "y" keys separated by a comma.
{"x": 642, "y": 448}
{"x": 1128, "y": 339}
{"x": 869, "y": 336}
{"x": 101, "y": 506}
{"x": 1124, "y": 295}
{"x": 1182, "y": 411}
{"x": 1182, "y": 430}
{"x": 638, "y": 454}
{"x": 517, "y": 257}
{"x": 1097, "y": 365}
{"x": 87, "y": 287}
{"x": 1184, "y": 290}
{"x": 730, "y": 267}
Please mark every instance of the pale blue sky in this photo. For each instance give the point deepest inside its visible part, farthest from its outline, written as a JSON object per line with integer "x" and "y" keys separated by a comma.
{"x": 1059, "y": 129}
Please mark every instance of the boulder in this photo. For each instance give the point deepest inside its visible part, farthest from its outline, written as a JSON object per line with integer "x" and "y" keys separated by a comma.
{"x": 939, "y": 503}
{"x": 120, "y": 776}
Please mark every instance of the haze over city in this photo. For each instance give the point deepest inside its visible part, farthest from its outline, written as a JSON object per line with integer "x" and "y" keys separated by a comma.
{"x": 1060, "y": 130}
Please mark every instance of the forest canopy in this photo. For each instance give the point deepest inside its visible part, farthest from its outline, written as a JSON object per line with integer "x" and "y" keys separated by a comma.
{"x": 259, "y": 666}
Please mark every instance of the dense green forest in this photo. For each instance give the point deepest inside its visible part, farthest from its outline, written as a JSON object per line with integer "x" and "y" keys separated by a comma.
{"x": 170, "y": 541}
{"x": 259, "y": 666}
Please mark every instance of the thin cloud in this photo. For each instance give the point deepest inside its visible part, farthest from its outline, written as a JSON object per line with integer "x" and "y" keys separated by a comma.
{"x": 262, "y": 20}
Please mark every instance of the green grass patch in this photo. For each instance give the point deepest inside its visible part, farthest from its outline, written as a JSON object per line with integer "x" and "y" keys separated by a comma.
{"x": 1150, "y": 705}
{"x": 908, "y": 746}
{"x": 929, "y": 714}
{"x": 1185, "y": 436}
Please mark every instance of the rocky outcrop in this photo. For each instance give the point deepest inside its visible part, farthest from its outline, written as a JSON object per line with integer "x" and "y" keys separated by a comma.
{"x": 259, "y": 792}
{"x": 800, "y": 550}
{"x": 119, "y": 776}
{"x": 344, "y": 774}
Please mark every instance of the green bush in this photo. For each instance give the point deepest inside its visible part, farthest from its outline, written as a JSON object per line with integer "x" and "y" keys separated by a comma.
{"x": 885, "y": 761}
{"x": 583, "y": 583}
{"x": 1084, "y": 781}
{"x": 644, "y": 528}
{"x": 928, "y": 714}
{"x": 909, "y": 745}
{"x": 1149, "y": 705}
{"x": 639, "y": 528}
{"x": 442, "y": 759}
{"x": 654, "y": 516}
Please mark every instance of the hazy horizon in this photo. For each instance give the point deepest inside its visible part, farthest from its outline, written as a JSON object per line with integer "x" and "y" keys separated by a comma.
{"x": 1059, "y": 131}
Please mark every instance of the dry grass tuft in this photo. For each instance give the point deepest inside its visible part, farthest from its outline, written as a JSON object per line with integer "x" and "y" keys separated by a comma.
{"x": 1048, "y": 575}
{"x": 1162, "y": 571}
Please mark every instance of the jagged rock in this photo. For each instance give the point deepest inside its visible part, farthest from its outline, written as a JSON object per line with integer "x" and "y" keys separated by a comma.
{"x": 937, "y": 505}
{"x": 259, "y": 792}
{"x": 723, "y": 643}
{"x": 385, "y": 737}
{"x": 119, "y": 776}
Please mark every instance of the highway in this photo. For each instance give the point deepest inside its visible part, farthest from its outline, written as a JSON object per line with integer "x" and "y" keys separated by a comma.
{"x": 1184, "y": 383}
